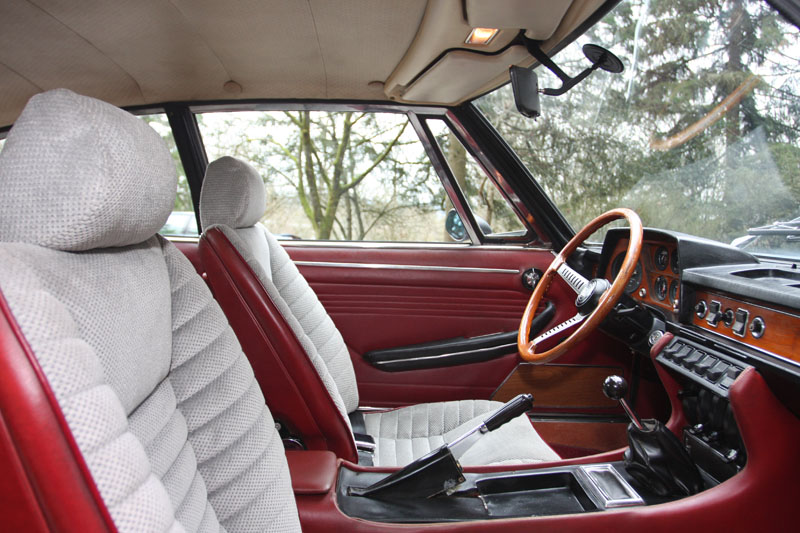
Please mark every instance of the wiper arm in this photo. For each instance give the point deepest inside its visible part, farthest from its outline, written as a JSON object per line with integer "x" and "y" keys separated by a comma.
{"x": 790, "y": 229}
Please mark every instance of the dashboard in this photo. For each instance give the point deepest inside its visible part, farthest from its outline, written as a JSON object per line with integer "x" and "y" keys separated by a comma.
{"x": 726, "y": 311}
{"x": 715, "y": 291}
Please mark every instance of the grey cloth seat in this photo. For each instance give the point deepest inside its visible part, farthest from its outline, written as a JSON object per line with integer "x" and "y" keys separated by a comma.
{"x": 233, "y": 200}
{"x": 151, "y": 380}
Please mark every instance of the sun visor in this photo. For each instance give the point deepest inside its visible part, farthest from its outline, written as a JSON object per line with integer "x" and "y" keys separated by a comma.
{"x": 461, "y": 73}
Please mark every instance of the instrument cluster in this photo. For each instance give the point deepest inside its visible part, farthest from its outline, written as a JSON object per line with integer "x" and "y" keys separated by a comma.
{"x": 656, "y": 279}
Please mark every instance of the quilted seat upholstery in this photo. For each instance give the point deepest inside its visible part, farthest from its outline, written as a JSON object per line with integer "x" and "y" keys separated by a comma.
{"x": 232, "y": 201}
{"x": 150, "y": 378}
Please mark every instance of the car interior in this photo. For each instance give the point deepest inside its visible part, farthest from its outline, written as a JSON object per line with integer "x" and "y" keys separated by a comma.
{"x": 281, "y": 266}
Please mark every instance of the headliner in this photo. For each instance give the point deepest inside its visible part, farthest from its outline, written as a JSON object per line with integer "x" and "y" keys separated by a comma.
{"x": 152, "y": 51}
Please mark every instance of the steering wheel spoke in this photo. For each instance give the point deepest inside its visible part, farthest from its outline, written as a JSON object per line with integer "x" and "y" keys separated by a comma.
{"x": 572, "y": 277}
{"x": 552, "y": 332}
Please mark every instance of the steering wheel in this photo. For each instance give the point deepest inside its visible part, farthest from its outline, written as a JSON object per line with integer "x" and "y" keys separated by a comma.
{"x": 596, "y": 297}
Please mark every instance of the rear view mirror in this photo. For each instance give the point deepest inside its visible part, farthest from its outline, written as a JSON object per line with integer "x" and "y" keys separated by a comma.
{"x": 526, "y": 91}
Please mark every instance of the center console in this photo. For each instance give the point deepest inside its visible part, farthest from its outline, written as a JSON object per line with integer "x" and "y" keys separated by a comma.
{"x": 544, "y": 492}
{"x": 575, "y": 494}
{"x": 656, "y": 469}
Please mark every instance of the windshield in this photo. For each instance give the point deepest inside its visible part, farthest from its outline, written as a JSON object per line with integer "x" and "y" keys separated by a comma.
{"x": 699, "y": 134}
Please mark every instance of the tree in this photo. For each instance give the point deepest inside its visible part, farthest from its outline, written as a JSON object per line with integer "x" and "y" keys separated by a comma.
{"x": 622, "y": 140}
{"x": 350, "y": 172}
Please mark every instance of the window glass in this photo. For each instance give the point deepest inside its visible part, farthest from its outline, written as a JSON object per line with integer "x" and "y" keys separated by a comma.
{"x": 336, "y": 175}
{"x": 182, "y": 221}
{"x": 494, "y": 215}
{"x": 700, "y": 133}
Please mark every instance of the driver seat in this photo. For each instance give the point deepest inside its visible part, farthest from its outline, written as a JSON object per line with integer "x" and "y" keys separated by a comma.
{"x": 301, "y": 359}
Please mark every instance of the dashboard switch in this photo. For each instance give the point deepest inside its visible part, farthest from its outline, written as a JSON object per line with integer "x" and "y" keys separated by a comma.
{"x": 681, "y": 353}
{"x": 757, "y": 327}
{"x": 704, "y": 364}
{"x": 714, "y": 313}
{"x": 733, "y": 372}
{"x": 727, "y": 317}
{"x": 701, "y": 309}
{"x": 716, "y": 371}
{"x": 692, "y": 359}
{"x": 740, "y": 323}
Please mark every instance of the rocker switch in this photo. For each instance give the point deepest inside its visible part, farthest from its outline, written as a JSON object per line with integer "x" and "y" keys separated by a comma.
{"x": 714, "y": 313}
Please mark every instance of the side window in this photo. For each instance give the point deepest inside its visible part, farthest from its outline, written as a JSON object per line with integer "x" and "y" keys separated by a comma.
{"x": 351, "y": 176}
{"x": 492, "y": 211}
{"x": 182, "y": 221}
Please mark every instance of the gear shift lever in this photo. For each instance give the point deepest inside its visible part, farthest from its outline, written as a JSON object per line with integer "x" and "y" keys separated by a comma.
{"x": 615, "y": 388}
{"x": 655, "y": 457}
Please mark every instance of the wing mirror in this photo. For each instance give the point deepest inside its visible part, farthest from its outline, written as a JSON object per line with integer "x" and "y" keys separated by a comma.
{"x": 455, "y": 226}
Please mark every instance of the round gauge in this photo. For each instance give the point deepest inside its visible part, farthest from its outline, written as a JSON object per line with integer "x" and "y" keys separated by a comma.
{"x": 662, "y": 258}
{"x": 673, "y": 292}
{"x": 674, "y": 262}
{"x": 636, "y": 277}
{"x": 660, "y": 288}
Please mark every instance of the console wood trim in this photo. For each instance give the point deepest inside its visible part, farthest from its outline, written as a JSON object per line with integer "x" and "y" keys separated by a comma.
{"x": 572, "y": 386}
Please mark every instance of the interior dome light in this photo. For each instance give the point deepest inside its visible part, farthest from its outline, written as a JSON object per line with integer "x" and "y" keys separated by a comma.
{"x": 482, "y": 36}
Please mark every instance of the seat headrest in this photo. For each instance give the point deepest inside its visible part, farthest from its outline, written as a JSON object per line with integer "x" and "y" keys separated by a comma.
{"x": 77, "y": 174}
{"x": 232, "y": 195}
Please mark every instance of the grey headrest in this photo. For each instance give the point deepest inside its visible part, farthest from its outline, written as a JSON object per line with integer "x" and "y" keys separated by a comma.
{"x": 77, "y": 174}
{"x": 233, "y": 194}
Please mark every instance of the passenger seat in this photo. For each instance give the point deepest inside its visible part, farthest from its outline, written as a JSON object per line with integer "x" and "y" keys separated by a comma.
{"x": 299, "y": 355}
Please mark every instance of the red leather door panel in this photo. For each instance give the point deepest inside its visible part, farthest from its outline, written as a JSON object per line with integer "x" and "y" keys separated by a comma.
{"x": 387, "y": 297}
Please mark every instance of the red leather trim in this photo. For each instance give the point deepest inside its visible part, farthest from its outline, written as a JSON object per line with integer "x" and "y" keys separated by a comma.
{"x": 292, "y": 388}
{"x": 46, "y": 450}
{"x": 313, "y": 472}
{"x": 381, "y": 308}
{"x": 192, "y": 252}
{"x": 19, "y": 508}
{"x": 762, "y": 497}
{"x": 677, "y": 419}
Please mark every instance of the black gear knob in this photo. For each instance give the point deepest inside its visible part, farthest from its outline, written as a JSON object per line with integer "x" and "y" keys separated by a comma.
{"x": 615, "y": 387}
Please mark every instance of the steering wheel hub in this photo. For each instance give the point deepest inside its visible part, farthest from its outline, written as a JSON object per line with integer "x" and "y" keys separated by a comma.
{"x": 590, "y": 295}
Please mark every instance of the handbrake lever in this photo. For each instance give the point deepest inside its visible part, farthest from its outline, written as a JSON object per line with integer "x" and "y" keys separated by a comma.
{"x": 439, "y": 471}
{"x": 516, "y": 406}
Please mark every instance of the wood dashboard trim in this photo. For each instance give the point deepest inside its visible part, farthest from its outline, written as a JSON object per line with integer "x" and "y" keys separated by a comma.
{"x": 781, "y": 335}
{"x": 649, "y": 272}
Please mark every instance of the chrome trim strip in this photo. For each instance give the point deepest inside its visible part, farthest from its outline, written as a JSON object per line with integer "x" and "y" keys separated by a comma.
{"x": 440, "y": 356}
{"x": 383, "y": 266}
{"x": 381, "y": 245}
{"x": 182, "y": 238}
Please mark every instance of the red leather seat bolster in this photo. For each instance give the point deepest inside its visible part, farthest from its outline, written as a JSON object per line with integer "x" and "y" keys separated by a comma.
{"x": 293, "y": 390}
{"x": 48, "y": 464}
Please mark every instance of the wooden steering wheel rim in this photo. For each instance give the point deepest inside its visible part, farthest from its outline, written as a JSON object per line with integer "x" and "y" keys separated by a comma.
{"x": 527, "y": 349}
